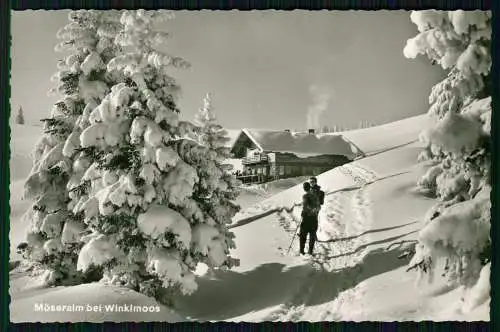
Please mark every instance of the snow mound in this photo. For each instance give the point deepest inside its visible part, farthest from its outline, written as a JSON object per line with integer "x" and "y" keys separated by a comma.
{"x": 93, "y": 302}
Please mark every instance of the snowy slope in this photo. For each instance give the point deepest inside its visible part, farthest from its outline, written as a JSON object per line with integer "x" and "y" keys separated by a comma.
{"x": 379, "y": 138}
{"x": 372, "y": 213}
{"x": 366, "y": 224}
{"x": 255, "y": 193}
{"x": 96, "y": 301}
{"x": 365, "y": 278}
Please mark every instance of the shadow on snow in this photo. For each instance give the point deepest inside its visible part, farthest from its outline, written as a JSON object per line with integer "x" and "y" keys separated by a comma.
{"x": 368, "y": 232}
{"x": 230, "y": 294}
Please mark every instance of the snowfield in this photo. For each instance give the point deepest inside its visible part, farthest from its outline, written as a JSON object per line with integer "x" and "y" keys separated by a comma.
{"x": 371, "y": 217}
{"x": 370, "y": 140}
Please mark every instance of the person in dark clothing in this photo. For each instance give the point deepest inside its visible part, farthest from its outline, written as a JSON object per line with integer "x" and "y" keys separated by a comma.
{"x": 316, "y": 190}
{"x": 319, "y": 198}
{"x": 309, "y": 224}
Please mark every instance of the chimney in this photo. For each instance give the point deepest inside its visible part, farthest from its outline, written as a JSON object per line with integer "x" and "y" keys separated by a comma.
{"x": 311, "y": 131}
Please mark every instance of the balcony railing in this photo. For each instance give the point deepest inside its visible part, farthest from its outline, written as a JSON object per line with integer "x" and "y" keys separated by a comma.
{"x": 255, "y": 159}
{"x": 251, "y": 179}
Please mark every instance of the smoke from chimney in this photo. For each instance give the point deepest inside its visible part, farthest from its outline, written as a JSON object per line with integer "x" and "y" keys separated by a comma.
{"x": 321, "y": 96}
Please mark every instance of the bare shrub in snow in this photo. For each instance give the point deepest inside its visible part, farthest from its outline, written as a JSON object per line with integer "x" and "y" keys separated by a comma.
{"x": 142, "y": 179}
{"x": 53, "y": 239}
{"x": 456, "y": 231}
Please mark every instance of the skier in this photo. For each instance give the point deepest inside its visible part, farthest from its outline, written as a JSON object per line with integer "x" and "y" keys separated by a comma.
{"x": 309, "y": 224}
{"x": 320, "y": 197}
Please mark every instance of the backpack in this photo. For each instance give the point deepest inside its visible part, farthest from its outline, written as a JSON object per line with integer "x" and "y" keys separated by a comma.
{"x": 310, "y": 207}
{"x": 321, "y": 196}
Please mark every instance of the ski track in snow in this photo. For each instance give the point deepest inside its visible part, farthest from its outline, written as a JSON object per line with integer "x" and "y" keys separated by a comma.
{"x": 360, "y": 174}
{"x": 338, "y": 219}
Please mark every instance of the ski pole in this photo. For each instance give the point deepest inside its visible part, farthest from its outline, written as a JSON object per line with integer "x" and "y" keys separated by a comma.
{"x": 295, "y": 233}
{"x": 293, "y": 238}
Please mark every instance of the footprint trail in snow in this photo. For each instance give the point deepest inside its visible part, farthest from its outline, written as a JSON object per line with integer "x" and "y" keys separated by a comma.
{"x": 344, "y": 216}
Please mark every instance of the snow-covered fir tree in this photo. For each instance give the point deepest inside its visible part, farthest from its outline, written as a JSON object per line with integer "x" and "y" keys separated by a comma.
{"x": 149, "y": 226}
{"x": 52, "y": 241}
{"x": 218, "y": 188}
{"x": 456, "y": 232}
{"x": 211, "y": 133}
{"x": 20, "y": 116}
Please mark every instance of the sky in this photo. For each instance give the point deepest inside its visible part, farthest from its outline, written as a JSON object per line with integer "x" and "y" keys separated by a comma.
{"x": 264, "y": 69}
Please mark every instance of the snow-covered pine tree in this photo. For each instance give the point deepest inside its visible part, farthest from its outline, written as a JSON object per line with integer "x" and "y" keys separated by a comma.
{"x": 211, "y": 134}
{"x": 218, "y": 188}
{"x": 20, "y": 116}
{"x": 457, "y": 229}
{"x": 52, "y": 240}
{"x": 149, "y": 231}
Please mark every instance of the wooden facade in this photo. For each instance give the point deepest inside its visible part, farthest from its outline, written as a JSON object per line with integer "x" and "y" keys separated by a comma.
{"x": 276, "y": 165}
{"x": 261, "y": 165}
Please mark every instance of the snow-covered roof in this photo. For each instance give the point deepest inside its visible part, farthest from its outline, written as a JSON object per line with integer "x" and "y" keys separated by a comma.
{"x": 298, "y": 143}
{"x": 233, "y": 135}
